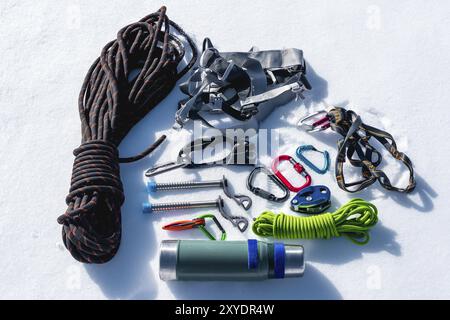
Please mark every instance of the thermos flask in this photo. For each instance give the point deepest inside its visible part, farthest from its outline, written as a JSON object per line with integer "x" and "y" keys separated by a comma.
{"x": 229, "y": 260}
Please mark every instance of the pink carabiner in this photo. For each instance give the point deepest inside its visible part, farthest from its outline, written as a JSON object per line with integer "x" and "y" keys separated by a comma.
{"x": 297, "y": 166}
{"x": 318, "y": 124}
{"x": 323, "y": 124}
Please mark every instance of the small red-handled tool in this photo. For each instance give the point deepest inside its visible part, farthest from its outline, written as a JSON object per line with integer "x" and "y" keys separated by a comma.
{"x": 199, "y": 223}
{"x": 184, "y": 224}
{"x": 297, "y": 166}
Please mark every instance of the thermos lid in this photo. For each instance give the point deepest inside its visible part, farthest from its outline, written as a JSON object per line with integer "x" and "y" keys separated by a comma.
{"x": 294, "y": 261}
{"x": 168, "y": 260}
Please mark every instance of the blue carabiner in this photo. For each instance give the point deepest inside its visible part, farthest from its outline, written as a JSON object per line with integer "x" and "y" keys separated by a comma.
{"x": 302, "y": 158}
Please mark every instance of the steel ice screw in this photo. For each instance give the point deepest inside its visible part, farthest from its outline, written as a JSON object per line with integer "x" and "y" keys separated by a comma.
{"x": 172, "y": 206}
{"x": 241, "y": 200}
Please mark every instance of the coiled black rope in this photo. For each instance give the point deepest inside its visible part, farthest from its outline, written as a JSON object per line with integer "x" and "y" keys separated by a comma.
{"x": 132, "y": 75}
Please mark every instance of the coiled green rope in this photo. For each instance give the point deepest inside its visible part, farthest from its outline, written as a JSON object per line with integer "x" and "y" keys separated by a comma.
{"x": 353, "y": 220}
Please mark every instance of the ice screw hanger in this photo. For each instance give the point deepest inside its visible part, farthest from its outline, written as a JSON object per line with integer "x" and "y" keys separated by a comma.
{"x": 297, "y": 166}
{"x": 199, "y": 223}
{"x": 326, "y": 157}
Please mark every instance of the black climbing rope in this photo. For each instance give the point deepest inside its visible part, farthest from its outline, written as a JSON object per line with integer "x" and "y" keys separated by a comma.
{"x": 132, "y": 75}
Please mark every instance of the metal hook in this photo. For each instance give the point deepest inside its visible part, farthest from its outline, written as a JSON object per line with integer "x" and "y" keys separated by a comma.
{"x": 238, "y": 221}
{"x": 242, "y": 200}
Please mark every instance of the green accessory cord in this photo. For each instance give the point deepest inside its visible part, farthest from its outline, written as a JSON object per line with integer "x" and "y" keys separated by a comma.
{"x": 353, "y": 220}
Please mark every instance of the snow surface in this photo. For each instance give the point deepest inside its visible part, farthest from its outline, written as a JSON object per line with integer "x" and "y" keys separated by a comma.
{"x": 387, "y": 60}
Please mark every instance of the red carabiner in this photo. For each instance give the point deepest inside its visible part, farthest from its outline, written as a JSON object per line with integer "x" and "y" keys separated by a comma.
{"x": 297, "y": 166}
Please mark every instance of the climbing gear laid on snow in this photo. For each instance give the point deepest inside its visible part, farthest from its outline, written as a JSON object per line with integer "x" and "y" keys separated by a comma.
{"x": 229, "y": 260}
{"x": 132, "y": 75}
{"x": 353, "y": 220}
{"x": 314, "y": 122}
{"x": 313, "y": 199}
{"x": 242, "y": 152}
{"x": 242, "y": 200}
{"x": 242, "y": 85}
{"x": 297, "y": 166}
{"x": 263, "y": 193}
{"x": 356, "y": 139}
{"x": 199, "y": 223}
{"x": 326, "y": 157}
{"x": 239, "y": 222}
{"x": 227, "y": 90}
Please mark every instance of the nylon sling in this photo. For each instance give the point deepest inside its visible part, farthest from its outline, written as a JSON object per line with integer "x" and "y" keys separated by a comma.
{"x": 356, "y": 139}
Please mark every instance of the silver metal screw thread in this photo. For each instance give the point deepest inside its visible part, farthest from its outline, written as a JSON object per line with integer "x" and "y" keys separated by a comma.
{"x": 172, "y": 206}
{"x": 184, "y": 185}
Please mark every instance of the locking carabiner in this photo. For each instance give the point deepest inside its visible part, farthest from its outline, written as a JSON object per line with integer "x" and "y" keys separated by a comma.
{"x": 264, "y": 193}
{"x": 199, "y": 223}
{"x": 297, "y": 166}
{"x": 318, "y": 124}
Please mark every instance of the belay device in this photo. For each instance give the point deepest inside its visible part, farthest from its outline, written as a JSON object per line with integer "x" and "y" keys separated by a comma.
{"x": 313, "y": 199}
{"x": 243, "y": 85}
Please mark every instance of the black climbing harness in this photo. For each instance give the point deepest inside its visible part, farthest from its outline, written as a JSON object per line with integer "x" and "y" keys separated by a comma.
{"x": 242, "y": 85}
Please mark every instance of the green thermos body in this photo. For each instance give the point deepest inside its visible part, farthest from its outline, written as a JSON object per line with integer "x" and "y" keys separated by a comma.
{"x": 229, "y": 260}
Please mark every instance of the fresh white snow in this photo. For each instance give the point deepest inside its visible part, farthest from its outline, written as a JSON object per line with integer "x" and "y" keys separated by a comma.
{"x": 387, "y": 60}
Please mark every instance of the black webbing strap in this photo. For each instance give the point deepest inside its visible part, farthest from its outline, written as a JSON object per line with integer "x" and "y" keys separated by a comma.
{"x": 356, "y": 139}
